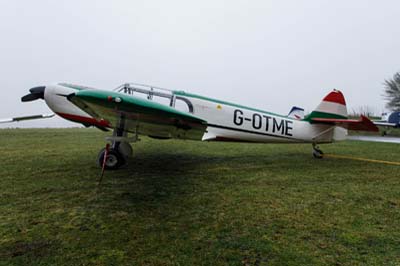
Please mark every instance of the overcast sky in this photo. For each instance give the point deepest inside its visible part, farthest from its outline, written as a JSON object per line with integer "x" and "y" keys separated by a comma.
{"x": 265, "y": 54}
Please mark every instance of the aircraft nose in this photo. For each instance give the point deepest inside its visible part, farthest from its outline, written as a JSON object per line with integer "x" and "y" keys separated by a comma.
{"x": 35, "y": 93}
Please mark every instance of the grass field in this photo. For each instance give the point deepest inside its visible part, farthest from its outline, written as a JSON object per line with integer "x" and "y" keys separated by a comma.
{"x": 193, "y": 203}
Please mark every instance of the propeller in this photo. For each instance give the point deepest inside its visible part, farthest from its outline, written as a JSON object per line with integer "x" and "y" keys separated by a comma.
{"x": 35, "y": 93}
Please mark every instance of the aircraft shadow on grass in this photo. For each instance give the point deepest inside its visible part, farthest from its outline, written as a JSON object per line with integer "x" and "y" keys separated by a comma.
{"x": 158, "y": 178}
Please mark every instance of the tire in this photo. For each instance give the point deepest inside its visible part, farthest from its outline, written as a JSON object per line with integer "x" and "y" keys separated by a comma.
{"x": 318, "y": 154}
{"x": 125, "y": 149}
{"x": 114, "y": 159}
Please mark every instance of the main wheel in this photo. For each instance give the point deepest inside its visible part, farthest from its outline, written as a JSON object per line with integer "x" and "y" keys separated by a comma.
{"x": 114, "y": 159}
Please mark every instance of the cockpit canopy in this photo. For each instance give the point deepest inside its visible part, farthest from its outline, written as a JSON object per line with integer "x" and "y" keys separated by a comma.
{"x": 157, "y": 94}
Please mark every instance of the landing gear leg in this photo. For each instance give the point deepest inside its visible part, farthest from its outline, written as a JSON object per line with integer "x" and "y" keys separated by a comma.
{"x": 115, "y": 156}
{"x": 317, "y": 153}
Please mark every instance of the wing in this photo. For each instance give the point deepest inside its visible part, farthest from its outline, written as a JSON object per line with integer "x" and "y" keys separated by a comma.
{"x": 363, "y": 124}
{"x": 141, "y": 116}
{"x": 23, "y": 118}
{"x": 375, "y": 139}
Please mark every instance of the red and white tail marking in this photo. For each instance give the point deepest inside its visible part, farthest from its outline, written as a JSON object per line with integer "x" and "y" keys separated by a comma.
{"x": 334, "y": 103}
{"x": 332, "y": 110}
{"x": 335, "y": 96}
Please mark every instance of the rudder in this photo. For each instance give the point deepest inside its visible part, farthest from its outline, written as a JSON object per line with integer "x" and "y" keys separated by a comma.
{"x": 332, "y": 106}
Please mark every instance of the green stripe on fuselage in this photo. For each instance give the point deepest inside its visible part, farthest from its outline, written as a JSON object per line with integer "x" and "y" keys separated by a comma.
{"x": 182, "y": 93}
{"x": 131, "y": 103}
{"x": 316, "y": 114}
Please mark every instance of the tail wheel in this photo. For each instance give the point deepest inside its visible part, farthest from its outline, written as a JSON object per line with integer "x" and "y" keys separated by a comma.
{"x": 113, "y": 161}
{"x": 317, "y": 153}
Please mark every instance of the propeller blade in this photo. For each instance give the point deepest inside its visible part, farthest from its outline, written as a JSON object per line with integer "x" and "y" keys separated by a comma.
{"x": 35, "y": 93}
{"x": 30, "y": 97}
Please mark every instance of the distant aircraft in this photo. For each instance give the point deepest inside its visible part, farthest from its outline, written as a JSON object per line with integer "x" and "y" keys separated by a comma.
{"x": 138, "y": 109}
{"x": 296, "y": 113}
{"x": 389, "y": 120}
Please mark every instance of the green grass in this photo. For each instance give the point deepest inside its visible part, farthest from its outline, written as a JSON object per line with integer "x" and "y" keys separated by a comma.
{"x": 193, "y": 203}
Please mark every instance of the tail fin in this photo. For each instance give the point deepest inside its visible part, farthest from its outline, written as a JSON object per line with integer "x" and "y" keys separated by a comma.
{"x": 332, "y": 106}
{"x": 332, "y": 110}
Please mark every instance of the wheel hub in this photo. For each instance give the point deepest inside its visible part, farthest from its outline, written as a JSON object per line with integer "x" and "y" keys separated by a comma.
{"x": 111, "y": 160}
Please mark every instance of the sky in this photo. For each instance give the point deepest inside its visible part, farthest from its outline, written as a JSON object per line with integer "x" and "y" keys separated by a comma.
{"x": 264, "y": 54}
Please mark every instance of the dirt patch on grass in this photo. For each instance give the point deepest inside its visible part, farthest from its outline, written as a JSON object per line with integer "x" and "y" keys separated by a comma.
{"x": 35, "y": 249}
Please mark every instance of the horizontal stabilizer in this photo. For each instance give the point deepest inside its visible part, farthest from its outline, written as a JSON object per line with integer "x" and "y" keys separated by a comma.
{"x": 23, "y": 118}
{"x": 363, "y": 124}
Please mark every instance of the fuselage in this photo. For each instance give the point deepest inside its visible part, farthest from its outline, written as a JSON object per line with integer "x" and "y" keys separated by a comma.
{"x": 232, "y": 122}
{"x": 225, "y": 121}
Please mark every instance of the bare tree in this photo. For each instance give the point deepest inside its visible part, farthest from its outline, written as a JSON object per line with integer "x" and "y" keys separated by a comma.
{"x": 363, "y": 110}
{"x": 392, "y": 92}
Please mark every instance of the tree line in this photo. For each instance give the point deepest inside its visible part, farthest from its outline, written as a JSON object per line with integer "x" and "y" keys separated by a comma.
{"x": 392, "y": 92}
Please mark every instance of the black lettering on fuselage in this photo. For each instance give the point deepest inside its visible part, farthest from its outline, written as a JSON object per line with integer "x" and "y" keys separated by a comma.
{"x": 267, "y": 118}
{"x": 268, "y": 123}
{"x": 288, "y": 128}
{"x": 257, "y": 123}
{"x": 278, "y": 127}
{"x": 238, "y": 117}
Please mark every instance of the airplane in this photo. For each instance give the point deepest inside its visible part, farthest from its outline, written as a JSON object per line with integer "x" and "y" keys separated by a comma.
{"x": 296, "y": 113}
{"x": 389, "y": 120}
{"x": 134, "y": 109}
